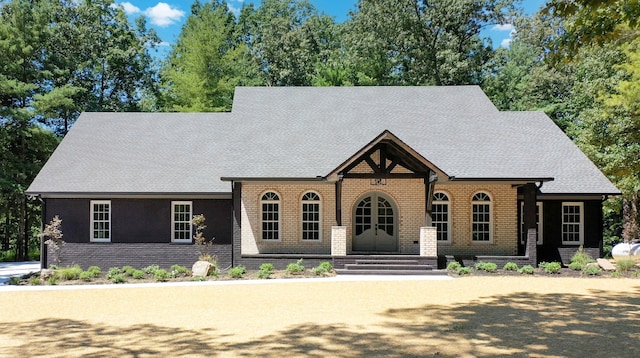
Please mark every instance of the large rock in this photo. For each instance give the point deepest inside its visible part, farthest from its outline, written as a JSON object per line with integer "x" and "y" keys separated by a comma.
{"x": 45, "y": 274}
{"x": 202, "y": 268}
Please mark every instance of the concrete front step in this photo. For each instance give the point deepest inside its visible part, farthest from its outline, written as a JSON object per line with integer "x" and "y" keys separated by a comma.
{"x": 394, "y": 266}
{"x": 386, "y": 262}
{"x": 391, "y": 272}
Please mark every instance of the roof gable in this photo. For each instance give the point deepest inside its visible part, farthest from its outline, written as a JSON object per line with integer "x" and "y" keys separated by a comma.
{"x": 312, "y": 132}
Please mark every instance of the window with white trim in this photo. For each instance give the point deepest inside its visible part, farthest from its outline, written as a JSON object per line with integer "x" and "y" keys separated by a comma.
{"x": 100, "y": 221}
{"x": 481, "y": 217}
{"x": 539, "y": 226}
{"x": 441, "y": 216}
{"x": 572, "y": 223}
{"x": 181, "y": 228}
{"x": 270, "y": 205}
{"x": 311, "y": 216}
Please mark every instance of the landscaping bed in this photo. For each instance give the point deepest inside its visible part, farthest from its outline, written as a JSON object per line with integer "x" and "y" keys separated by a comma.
{"x": 75, "y": 275}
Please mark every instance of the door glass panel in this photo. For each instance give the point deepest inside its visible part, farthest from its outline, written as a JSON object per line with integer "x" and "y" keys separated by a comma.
{"x": 363, "y": 216}
{"x": 385, "y": 216}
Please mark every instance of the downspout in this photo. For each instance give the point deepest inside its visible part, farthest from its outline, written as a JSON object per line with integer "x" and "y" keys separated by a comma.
{"x": 233, "y": 220}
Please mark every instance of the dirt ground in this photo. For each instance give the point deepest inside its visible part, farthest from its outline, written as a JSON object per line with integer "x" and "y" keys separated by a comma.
{"x": 464, "y": 317}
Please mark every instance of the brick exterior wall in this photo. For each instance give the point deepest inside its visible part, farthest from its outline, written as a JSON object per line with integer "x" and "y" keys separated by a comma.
{"x": 504, "y": 219}
{"x": 290, "y": 218}
{"x": 407, "y": 195}
{"x": 139, "y": 255}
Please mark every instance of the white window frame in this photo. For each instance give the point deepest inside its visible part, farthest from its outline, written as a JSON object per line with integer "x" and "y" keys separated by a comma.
{"x": 539, "y": 224}
{"x": 448, "y": 212}
{"x": 580, "y": 224}
{"x": 490, "y": 223}
{"x": 174, "y": 222}
{"x": 277, "y": 202}
{"x": 94, "y": 221}
{"x": 317, "y": 202}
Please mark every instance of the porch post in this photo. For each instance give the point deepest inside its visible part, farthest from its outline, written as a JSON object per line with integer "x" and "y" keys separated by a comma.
{"x": 428, "y": 241}
{"x": 429, "y": 187}
{"x": 529, "y": 219}
{"x": 339, "y": 201}
{"x": 338, "y": 241}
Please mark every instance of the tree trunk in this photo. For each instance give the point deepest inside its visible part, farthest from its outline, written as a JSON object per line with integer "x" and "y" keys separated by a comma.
{"x": 630, "y": 217}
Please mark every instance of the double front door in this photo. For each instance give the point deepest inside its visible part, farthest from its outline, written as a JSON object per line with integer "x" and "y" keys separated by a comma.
{"x": 375, "y": 224}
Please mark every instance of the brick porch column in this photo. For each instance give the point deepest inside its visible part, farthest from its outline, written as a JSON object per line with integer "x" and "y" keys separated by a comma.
{"x": 338, "y": 241}
{"x": 428, "y": 241}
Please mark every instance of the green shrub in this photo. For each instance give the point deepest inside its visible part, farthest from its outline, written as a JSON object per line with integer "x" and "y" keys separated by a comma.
{"x": 94, "y": 271}
{"x": 237, "y": 272}
{"x": 625, "y": 265}
{"x": 295, "y": 268}
{"x": 267, "y": 267}
{"x": 53, "y": 280}
{"x": 69, "y": 273}
{"x": 34, "y": 254}
{"x": 86, "y": 276}
{"x": 113, "y": 272}
{"x": 510, "y": 266}
{"x": 35, "y": 281}
{"x": 151, "y": 269}
{"x": 177, "y": 270}
{"x": 616, "y": 274}
{"x": 265, "y": 271}
{"x": 14, "y": 280}
{"x": 581, "y": 257}
{"x": 8, "y": 256}
{"x": 592, "y": 270}
{"x": 526, "y": 269}
{"x": 198, "y": 278}
{"x": 552, "y": 267}
{"x": 464, "y": 271}
{"x": 480, "y": 265}
{"x": 137, "y": 274}
{"x": 326, "y": 265}
{"x": 488, "y": 267}
{"x": 323, "y": 268}
{"x": 128, "y": 270}
{"x": 161, "y": 275}
{"x": 453, "y": 266}
{"x": 577, "y": 265}
{"x": 118, "y": 278}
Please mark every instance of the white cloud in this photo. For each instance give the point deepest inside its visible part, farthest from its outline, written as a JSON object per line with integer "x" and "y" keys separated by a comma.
{"x": 503, "y": 27}
{"x": 129, "y": 8}
{"x": 506, "y": 43}
{"x": 163, "y": 14}
{"x": 233, "y": 9}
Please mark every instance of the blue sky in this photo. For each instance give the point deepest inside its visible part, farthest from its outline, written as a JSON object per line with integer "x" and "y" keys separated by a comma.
{"x": 167, "y": 16}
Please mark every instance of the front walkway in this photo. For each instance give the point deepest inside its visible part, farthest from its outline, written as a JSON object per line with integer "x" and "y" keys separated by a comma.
{"x": 11, "y": 269}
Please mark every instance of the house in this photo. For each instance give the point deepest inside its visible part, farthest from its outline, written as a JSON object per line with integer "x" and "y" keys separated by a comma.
{"x": 322, "y": 173}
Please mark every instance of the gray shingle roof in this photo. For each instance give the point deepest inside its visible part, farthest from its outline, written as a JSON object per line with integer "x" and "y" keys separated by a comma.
{"x": 295, "y": 132}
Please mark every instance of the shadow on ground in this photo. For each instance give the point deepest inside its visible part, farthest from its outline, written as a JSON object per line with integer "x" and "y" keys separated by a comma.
{"x": 515, "y": 325}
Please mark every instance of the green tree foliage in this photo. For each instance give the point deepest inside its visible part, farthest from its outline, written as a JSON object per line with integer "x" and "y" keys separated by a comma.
{"x": 521, "y": 77}
{"x": 596, "y": 22}
{"x": 609, "y": 129}
{"x": 58, "y": 58}
{"x": 207, "y": 62}
{"x": 291, "y": 41}
{"x": 414, "y": 42}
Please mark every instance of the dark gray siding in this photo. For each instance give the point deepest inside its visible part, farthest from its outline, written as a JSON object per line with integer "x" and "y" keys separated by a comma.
{"x": 139, "y": 220}
{"x": 140, "y": 232}
{"x": 552, "y": 248}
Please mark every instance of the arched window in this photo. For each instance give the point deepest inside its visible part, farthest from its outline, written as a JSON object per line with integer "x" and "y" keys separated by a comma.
{"x": 311, "y": 218}
{"x": 441, "y": 216}
{"x": 270, "y": 203}
{"x": 481, "y": 217}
